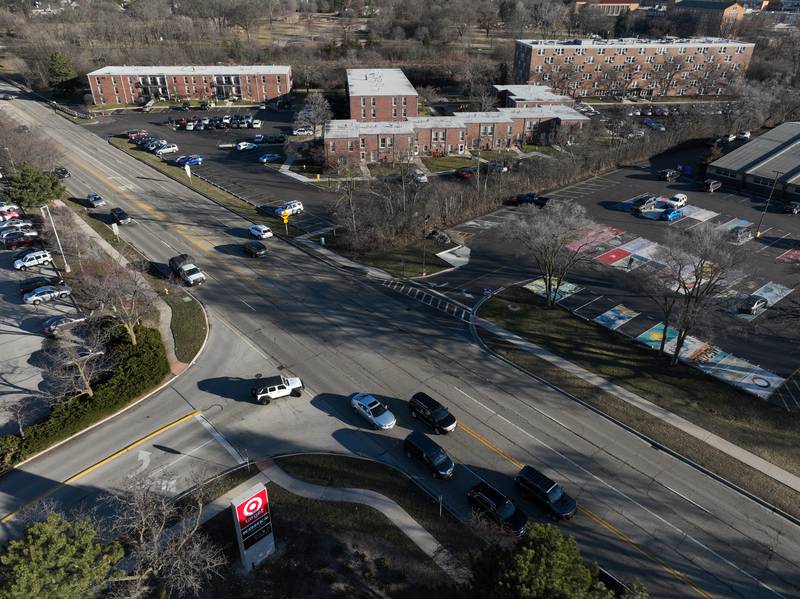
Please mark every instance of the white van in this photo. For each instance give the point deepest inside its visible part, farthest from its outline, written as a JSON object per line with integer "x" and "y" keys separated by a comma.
{"x": 36, "y": 258}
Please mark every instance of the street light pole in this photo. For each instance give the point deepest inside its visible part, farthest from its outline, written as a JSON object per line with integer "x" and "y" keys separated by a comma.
{"x": 766, "y": 206}
{"x": 58, "y": 240}
{"x": 424, "y": 243}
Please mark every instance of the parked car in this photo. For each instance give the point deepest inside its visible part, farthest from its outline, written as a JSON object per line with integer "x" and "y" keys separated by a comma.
{"x": 741, "y": 234}
{"x": 255, "y": 124}
{"x": 743, "y": 135}
{"x": 29, "y": 285}
{"x": 671, "y": 214}
{"x": 490, "y": 503}
{"x": 61, "y": 172}
{"x": 119, "y": 216}
{"x": 423, "y": 406}
{"x": 534, "y": 485}
{"x": 11, "y": 235}
{"x": 418, "y": 176}
{"x": 532, "y": 199}
{"x": 226, "y": 119}
{"x": 189, "y": 126}
{"x": 15, "y": 243}
{"x": 276, "y": 139}
{"x": 46, "y": 294}
{"x": 16, "y": 224}
{"x": 268, "y": 157}
{"x": 466, "y": 172}
{"x": 193, "y": 160}
{"x": 421, "y": 447}
{"x": 94, "y": 200}
{"x": 668, "y": 174}
{"x": 791, "y": 207}
{"x": 753, "y": 304}
{"x": 653, "y": 125}
{"x": 373, "y": 411}
{"x": 644, "y": 204}
{"x": 54, "y": 324}
{"x": 712, "y": 185}
{"x": 260, "y": 231}
{"x": 9, "y": 214}
{"x": 166, "y": 149}
{"x": 496, "y": 166}
{"x": 302, "y": 131}
{"x": 292, "y": 208}
{"x": 254, "y": 249}
{"x": 275, "y": 387}
{"x": 245, "y": 145}
{"x": 729, "y": 138}
{"x": 679, "y": 200}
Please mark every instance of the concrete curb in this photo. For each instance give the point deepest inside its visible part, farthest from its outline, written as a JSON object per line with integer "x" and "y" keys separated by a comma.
{"x": 652, "y": 442}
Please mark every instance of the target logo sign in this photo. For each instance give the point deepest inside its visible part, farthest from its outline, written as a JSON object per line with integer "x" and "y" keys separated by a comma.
{"x": 252, "y": 508}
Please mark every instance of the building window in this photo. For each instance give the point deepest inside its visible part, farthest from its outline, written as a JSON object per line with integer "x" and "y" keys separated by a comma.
{"x": 549, "y": 60}
{"x": 642, "y": 50}
{"x": 637, "y": 68}
{"x": 373, "y": 112}
{"x": 689, "y": 59}
{"x": 557, "y": 68}
{"x": 627, "y": 76}
{"x": 601, "y": 51}
{"x": 650, "y": 59}
{"x": 405, "y": 101}
{"x": 559, "y": 51}
{"x": 609, "y": 59}
{"x": 333, "y": 146}
{"x": 372, "y": 101}
{"x": 363, "y": 101}
{"x": 740, "y": 49}
{"x": 658, "y": 67}
{"x": 546, "y": 77}
{"x": 618, "y": 67}
{"x": 621, "y": 51}
{"x": 508, "y": 129}
{"x": 461, "y": 135}
{"x": 630, "y": 59}
{"x": 682, "y": 50}
{"x": 404, "y": 112}
{"x": 382, "y": 142}
{"x": 394, "y": 100}
{"x": 487, "y": 129}
{"x": 728, "y": 58}
{"x": 722, "y": 50}
{"x": 363, "y": 113}
{"x": 538, "y": 68}
{"x": 589, "y": 59}
{"x": 175, "y": 81}
{"x": 569, "y": 59}
{"x": 580, "y": 52}
{"x": 540, "y": 51}
{"x": 587, "y": 76}
{"x": 598, "y": 69}
{"x": 350, "y": 145}
{"x": 394, "y": 112}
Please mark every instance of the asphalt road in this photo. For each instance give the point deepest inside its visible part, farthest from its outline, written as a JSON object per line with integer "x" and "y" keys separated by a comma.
{"x": 643, "y": 514}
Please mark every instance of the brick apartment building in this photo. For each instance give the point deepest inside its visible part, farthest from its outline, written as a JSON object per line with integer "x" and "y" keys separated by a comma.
{"x": 609, "y": 8}
{"x": 529, "y": 96}
{"x": 714, "y": 17}
{"x": 631, "y": 66}
{"x": 445, "y": 135}
{"x": 380, "y": 95}
{"x": 140, "y": 84}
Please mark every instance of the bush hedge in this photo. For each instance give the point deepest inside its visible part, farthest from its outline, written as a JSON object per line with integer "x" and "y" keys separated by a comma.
{"x": 140, "y": 368}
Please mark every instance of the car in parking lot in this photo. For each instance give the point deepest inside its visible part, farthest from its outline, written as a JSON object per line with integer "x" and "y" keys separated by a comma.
{"x": 534, "y": 485}
{"x": 94, "y": 200}
{"x": 276, "y": 139}
{"x": 532, "y": 199}
{"x": 189, "y": 126}
{"x": 495, "y": 166}
{"x": 268, "y": 157}
{"x": 466, "y": 172}
{"x": 791, "y": 207}
{"x": 671, "y": 214}
{"x": 193, "y": 160}
{"x": 16, "y": 224}
{"x": 11, "y": 235}
{"x": 46, "y": 294}
{"x": 293, "y": 207}
{"x": 679, "y": 200}
{"x": 29, "y": 285}
{"x": 245, "y": 145}
{"x": 419, "y": 446}
{"x": 255, "y": 124}
{"x": 14, "y": 243}
{"x": 373, "y": 411}
{"x": 490, "y": 503}
{"x": 644, "y": 204}
{"x": 743, "y": 135}
{"x": 712, "y": 185}
{"x": 434, "y": 414}
{"x": 254, "y": 249}
{"x": 668, "y": 174}
{"x": 302, "y": 131}
{"x": 54, "y": 324}
{"x": 166, "y": 149}
{"x": 741, "y": 234}
{"x": 61, "y": 172}
{"x": 753, "y": 305}
{"x": 151, "y": 146}
{"x": 119, "y": 216}
{"x": 260, "y": 231}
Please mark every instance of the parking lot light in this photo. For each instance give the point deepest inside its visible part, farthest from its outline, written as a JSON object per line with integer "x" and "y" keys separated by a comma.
{"x": 766, "y": 206}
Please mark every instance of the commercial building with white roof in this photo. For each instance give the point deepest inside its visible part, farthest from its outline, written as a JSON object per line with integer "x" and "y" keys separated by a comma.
{"x": 141, "y": 84}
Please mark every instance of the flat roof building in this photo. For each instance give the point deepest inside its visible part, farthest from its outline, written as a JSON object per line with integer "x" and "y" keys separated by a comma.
{"x": 632, "y": 66}
{"x": 524, "y": 96}
{"x": 141, "y": 84}
{"x": 380, "y": 95}
{"x": 770, "y": 159}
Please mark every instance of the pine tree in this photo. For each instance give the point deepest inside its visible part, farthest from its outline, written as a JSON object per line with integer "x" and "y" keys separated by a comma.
{"x": 60, "y": 69}
{"x": 31, "y": 187}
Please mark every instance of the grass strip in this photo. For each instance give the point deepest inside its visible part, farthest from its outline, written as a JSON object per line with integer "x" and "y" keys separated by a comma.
{"x": 349, "y": 472}
{"x": 439, "y": 164}
{"x": 759, "y": 427}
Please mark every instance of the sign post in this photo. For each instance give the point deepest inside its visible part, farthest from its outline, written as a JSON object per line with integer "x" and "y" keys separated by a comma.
{"x": 285, "y": 217}
{"x": 253, "y": 523}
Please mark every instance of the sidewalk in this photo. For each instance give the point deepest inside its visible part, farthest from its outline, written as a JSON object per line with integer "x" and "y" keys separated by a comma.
{"x": 337, "y": 260}
{"x": 779, "y": 474}
{"x": 270, "y": 471}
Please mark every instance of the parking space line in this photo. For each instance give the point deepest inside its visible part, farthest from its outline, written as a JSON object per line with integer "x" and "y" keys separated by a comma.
{"x": 774, "y": 242}
{"x": 587, "y": 303}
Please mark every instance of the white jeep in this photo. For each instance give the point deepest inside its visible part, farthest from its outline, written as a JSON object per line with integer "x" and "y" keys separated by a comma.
{"x": 274, "y": 387}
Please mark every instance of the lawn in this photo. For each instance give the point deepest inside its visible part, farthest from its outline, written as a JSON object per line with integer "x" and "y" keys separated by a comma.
{"x": 439, "y": 164}
{"x": 350, "y": 472}
{"x": 764, "y": 429}
{"x": 326, "y": 549}
{"x": 497, "y": 154}
{"x": 548, "y": 150}
{"x": 381, "y": 169}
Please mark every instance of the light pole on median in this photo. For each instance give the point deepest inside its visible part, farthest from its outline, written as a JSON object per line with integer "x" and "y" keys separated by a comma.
{"x": 769, "y": 198}
{"x": 58, "y": 240}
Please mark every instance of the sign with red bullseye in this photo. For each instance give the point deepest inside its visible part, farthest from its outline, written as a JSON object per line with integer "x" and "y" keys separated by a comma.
{"x": 253, "y": 526}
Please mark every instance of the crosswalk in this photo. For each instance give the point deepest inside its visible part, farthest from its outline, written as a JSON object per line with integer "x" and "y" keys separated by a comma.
{"x": 427, "y": 298}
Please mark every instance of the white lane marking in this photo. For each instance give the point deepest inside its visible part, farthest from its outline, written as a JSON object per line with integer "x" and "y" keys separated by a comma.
{"x": 774, "y": 242}
{"x": 586, "y": 304}
{"x": 183, "y": 456}
{"x": 220, "y": 439}
{"x": 613, "y": 488}
{"x": 682, "y": 496}
{"x": 248, "y": 305}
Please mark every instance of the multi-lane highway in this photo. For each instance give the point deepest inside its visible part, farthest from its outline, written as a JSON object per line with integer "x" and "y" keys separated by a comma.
{"x": 643, "y": 514}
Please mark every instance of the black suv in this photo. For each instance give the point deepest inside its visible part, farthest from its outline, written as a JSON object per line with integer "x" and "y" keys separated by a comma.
{"x": 119, "y": 216}
{"x": 530, "y": 198}
{"x": 418, "y": 445}
{"x": 668, "y": 174}
{"x": 30, "y": 284}
{"x": 491, "y": 503}
{"x": 533, "y": 484}
{"x": 424, "y": 407}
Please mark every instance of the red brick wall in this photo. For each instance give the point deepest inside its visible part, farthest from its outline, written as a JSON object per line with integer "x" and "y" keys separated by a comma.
{"x": 500, "y": 137}
{"x": 385, "y": 109}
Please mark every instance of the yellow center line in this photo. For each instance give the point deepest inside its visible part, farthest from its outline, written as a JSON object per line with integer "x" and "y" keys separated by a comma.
{"x": 598, "y": 519}
{"x": 104, "y": 461}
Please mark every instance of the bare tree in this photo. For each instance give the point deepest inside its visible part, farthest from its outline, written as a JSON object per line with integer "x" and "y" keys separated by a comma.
{"x": 74, "y": 367}
{"x": 315, "y": 112}
{"x": 245, "y": 14}
{"x": 168, "y": 553}
{"x": 18, "y": 408}
{"x": 117, "y": 290}
{"x": 698, "y": 262}
{"x": 551, "y": 237}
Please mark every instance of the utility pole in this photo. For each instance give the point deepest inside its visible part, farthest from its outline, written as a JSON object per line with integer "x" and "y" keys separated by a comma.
{"x": 58, "y": 240}
{"x": 424, "y": 242}
{"x": 766, "y": 206}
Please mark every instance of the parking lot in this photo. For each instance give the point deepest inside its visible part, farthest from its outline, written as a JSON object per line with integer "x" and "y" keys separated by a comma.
{"x": 21, "y": 368}
{"x": 238, "y": 172}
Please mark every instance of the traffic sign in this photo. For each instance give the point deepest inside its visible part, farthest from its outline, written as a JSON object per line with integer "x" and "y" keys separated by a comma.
{"x": 285, "y": 218}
